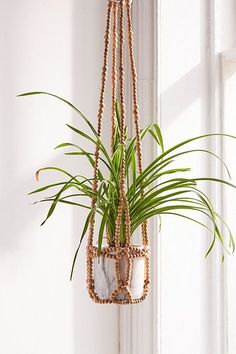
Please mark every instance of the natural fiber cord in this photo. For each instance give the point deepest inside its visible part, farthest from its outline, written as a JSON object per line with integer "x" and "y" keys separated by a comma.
{"x": 116, "y": 8}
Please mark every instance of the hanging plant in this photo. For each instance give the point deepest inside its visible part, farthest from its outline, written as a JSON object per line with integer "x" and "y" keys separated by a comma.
{"x": 123, "y": 195}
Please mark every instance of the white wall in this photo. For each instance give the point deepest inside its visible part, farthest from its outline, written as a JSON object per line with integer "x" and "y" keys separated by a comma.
{"x": 53, "y": 46}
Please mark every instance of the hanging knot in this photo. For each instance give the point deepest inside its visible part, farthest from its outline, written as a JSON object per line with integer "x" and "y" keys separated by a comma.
{"x": 129, "y": 2}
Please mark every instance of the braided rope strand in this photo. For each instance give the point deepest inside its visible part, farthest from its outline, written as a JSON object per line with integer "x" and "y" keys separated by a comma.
{"x": 123, "y": 203}
{"x": 100, "y": 117}
{"x": 114, "y": 73}
{"x": 135, "y": 106}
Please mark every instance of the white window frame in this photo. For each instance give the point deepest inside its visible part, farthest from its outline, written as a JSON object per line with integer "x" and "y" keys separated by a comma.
{"x": 139, "y": 325}
{"x": 228, "y": 59}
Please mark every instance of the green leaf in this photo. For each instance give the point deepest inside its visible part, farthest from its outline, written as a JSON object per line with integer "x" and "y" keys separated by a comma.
{"x": 58, "y": 195}
{"x": 188, "y": 218}
{"x": 133, "y": 164}
{"x": 150, "y": 193}
{"x": 86, "y": 225}
{"x": 41, "y": 189}
{"x": 80, "y": 132}
{"x": 159, "y": 135}
{"x": 65, "y": 101}
{"x": 102, "y": 228}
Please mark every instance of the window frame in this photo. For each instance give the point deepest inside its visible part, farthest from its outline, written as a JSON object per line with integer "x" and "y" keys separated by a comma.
{"x": 134, "y": 336}
{"x": 139, "y": 324}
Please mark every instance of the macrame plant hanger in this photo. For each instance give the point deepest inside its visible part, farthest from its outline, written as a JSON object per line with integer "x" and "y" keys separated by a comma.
{"x": 128, "y": 252}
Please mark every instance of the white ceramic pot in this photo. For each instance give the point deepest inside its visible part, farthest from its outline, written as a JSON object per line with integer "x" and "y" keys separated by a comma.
{"x": 105, "y": 281}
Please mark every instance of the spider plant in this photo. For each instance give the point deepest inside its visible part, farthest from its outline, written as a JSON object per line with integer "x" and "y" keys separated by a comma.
{"x": 167, "y": 190}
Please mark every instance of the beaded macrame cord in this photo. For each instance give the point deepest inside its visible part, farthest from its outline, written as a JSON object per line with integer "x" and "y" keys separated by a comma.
{"x": 128, "y": 252}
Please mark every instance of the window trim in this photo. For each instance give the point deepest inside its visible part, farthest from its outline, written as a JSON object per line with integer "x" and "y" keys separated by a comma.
{"x": 226, "y": 57}
{"x": 136, "y": 335}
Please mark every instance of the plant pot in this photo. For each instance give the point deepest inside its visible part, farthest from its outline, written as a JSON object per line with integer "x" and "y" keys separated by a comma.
{"x": 119, "y": 275}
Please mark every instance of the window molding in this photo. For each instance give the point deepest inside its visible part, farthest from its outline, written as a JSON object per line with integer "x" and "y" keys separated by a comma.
{"x": 228, "y": 72}
{"x": 217, "y": 288}
{"x": 138, "y": 324}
